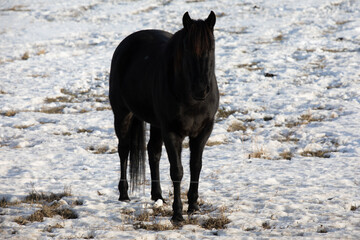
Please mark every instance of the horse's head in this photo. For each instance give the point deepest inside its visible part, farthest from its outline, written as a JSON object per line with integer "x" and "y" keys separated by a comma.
{"x": 198, "y": 58}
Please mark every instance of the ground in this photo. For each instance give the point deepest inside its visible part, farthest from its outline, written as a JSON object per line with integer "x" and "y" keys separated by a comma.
{"x": 282, "y": 161}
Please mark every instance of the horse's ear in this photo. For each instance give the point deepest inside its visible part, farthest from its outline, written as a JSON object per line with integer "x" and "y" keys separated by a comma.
{"x": 187, "y": 21}
{"x": 210, "y": 21}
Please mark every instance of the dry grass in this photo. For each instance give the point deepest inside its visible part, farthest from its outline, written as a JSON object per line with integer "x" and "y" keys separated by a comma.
{"x": 41, "y": 52}
{"x": 279, "y": 38}
{"x": 216, "y": 222}
{"x": 151, "y": 220}
{"x": 304, "y": 119}
{"x": 53, "y": 110}
{"x": 318, "y": 153}
{"x": 4, "y": 203}
{"x": 259, "y": 153}
{"x": 46, "y": 210}
{"x": 253, "y": 66}
{"x": 354, "y": 208}
{"x": 51, "y": 228}
{"x": 16, "y": 8}
{"x": 9, "y": 113}
{"x": 25, "y": 56}
{"x": 103, "y": 108}
{"x": 223, "y": 114}
{"x": 102, "y": 150}
{"x": 23, "y": 126}
{"x": 266, "y": 225}
{"x": 83, "y": 130}
{"x": 66, "y": 99}
{"x": 236, "y": 126}
{"x": 40, "y": 197}
{"x": 286, "y": 155}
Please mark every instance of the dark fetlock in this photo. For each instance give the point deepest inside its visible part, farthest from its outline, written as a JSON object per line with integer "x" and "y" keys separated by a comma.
{"x": 193, "y": 208}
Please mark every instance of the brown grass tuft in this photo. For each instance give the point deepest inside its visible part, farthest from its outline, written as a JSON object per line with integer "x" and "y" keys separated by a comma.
{"x": 266, "y": 225}
{"x": 53, "y": 110}
{"x": 9, "y": 113}
{"x": 83, "y": 130}
{"x": 214, "y": 143}
{"x": 21, "y": 220}
{"x": 286, "y": 155}
{"x": 154, "y": 226}
{"x": 25, "y": 56}
{"x": 101, "y": 150}
{"x": 354, "y": 207}
{"x": 260, "y": 153}
{"x": 16, "y": 8}
{"x": 66, "y": 99}
{"x": 36, "y": 197}
{"x": 216, "y": 223}
{"x": 318, "y": 153}
{"x": 236, "y": 126}
{"x": 253, "y": 66}
{"x": 279, "y": 38}
{"x": 223, "y": 114}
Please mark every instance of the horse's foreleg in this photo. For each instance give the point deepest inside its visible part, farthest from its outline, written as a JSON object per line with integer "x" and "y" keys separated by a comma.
{"x": 154, "y": 153}
{"x": 173, "y": 144}
{"x": 197, "y": 145}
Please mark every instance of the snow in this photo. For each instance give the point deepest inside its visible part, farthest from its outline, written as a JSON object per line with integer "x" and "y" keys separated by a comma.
{"x": 288, "y": 74}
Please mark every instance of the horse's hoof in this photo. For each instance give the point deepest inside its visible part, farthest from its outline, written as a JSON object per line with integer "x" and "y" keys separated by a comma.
{"x": 177, "y": 219}
{"x": 158, "y": 198}
{"x": 193, "y": 209}
{"x": 124, "y": 199}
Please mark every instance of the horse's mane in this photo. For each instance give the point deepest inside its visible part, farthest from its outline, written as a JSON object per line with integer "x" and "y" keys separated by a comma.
{"x": 199, "y": 37}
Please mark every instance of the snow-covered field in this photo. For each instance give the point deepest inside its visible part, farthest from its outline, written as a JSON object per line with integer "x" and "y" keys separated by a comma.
{"x": 283, "y": 159}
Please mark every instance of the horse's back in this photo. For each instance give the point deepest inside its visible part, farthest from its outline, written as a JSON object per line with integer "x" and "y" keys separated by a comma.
{"x": 134, "y": 66}
{"x": 144, "y": 43}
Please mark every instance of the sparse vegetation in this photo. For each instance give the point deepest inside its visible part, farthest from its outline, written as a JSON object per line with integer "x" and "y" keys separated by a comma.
{"x": 25, "y": 56}
{"x": 259, "y": 153}
{"x": 102, "y": 150}
{"x": 354, "y": 207}
{"x": 253, "y": 66}
{"x": 49, "y": 206}
{"x": 236, "y": 126}
{"x": 223, "y": 114}
{"x": 266, "y": 225}
{"x": 304, "y": 119}
{"x": 83, "y": 130}
{"x": 9, "y": 113}
{"x": 286, "y": 155}
{"x": 211, "y": 143}
{"x": 53, "y": 110}
{"x": 318, "y": 153}
{"x": 40, "y": 197}
{"x": 216, "y": 222}
{"x": 16, "y": 8}
{"x": 151, "y": 219}
{"x": 279, "y": 38}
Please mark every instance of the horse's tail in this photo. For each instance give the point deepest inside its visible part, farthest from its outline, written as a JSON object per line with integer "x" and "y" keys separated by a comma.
{"x": 137, "y": 153}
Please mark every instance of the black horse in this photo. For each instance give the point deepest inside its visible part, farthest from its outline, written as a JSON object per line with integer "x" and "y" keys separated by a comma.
{"x": 167, "y": 80}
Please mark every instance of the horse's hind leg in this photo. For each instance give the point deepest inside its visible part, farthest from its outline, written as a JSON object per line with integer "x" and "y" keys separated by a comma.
{"x": 122, "y": 129}
{"x": 154, "y": 152}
